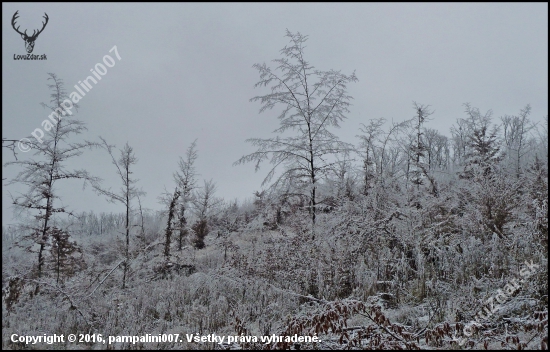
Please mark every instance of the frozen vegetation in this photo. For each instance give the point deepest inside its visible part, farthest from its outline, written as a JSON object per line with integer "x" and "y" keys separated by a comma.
{"x": 406, "y": 238}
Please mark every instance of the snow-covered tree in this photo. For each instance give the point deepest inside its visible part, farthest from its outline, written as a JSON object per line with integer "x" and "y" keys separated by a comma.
{"x": 186, "y": 181}
{"x": 124, "y": 164}
{"x": 43, "y": 172}
{"x": 204, "y": 203}
{"x": 312, "y": 102}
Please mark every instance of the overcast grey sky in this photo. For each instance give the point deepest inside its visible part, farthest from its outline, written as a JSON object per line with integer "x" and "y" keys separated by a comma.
{"x": 186, "y": 73}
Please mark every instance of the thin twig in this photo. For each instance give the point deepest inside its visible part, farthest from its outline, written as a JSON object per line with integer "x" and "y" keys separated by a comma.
{"x": 113, "y": 269}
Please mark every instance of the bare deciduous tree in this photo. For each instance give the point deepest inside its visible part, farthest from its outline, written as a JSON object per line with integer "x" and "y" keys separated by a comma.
{"x": 313, "y": 101}
{"x": 186, "y": 180}
{"x": 42, "y": 173}
{"x": 515, "y": 132}
{"x": 437, "y": 149}
{"x": 127, "y": 192}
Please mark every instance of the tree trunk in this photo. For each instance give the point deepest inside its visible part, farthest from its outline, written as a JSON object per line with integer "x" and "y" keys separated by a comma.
{"x": 183, "y": 230}
{"x": 127, "y": 254}
{"x": 169, "y": 225}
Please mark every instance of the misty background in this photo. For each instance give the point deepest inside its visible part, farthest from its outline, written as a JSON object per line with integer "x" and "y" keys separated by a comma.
{"x": 186, "y": 73}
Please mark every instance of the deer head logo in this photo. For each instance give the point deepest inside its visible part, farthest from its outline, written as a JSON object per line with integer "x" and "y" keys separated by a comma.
{"x": 29, "y": 40}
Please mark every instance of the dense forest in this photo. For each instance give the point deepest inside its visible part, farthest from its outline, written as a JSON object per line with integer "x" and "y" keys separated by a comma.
{"x": 405, "y": 238}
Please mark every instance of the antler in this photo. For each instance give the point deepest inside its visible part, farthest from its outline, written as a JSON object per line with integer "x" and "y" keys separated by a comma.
{"x": 43, "y": 26}
{"x": 13, "y": 23}
{"x": 34, "y": 33}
